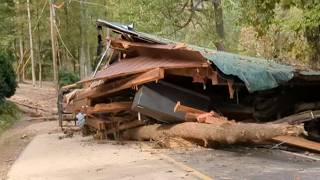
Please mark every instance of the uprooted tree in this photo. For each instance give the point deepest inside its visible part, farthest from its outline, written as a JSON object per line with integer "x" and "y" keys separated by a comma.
{"x": 224, "y": 133}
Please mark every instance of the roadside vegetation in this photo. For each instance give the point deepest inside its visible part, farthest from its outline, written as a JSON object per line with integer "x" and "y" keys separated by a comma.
{"x": 9, "y": 112}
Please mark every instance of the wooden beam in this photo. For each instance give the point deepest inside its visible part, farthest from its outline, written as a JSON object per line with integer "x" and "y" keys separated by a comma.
{"x": 299, "y": 142}
{"x": 197, "y": 115}
{"x": 204, "y": 72}
{"x": 181, "y": 108}
{"x": 126, "y": 83}
{"x": 110, "y": 107}
{"x": 78, "y": 105}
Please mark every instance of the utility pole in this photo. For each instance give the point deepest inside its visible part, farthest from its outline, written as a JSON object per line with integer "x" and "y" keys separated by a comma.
{"x": 31, "y": 46}
{"x": 53, "y": 41}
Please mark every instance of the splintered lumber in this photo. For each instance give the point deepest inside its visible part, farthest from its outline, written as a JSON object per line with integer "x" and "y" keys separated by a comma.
{"x": 110, "y": 107}
{"x": 299, "y": 142}
{"x": 125, "y": 83}
{"x": 225, "y": 134}
{"x": 181, "y": 108}
{"x": 197, "y": 115}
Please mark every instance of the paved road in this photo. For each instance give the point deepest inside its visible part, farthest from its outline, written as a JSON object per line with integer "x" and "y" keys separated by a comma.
{"x": 47, "y": 157}
{"x": 251, "y": 163}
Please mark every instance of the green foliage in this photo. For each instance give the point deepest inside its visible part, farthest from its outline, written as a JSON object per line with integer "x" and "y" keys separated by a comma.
{"x": 67, "y": 77}
{"x": 292, "y": 25}
{"x": 7, "y": 76}
{"x": 9, "y": 113}
{"x": 6, "y": 25}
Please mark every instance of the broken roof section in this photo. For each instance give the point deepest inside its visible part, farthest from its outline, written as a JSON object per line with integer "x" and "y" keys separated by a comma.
{"x": 257, "y": 74}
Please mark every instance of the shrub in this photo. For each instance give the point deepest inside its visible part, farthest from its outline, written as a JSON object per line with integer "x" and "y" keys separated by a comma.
{"x": 66, "y": 77}
{"x": 9, "y": 113}
{"x": 8, "y": 82}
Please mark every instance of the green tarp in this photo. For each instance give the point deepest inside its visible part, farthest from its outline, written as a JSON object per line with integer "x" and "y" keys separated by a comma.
{"x": 257, "y": 74}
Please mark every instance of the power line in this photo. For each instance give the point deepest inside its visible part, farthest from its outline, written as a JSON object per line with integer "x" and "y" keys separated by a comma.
{"x": 44, "y": 6}
{"x": 58, "y": 32}
{"x": 90, "y": 3}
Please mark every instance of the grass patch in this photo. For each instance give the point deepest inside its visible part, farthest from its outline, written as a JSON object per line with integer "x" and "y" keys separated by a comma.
{"x": 9, "y": 113}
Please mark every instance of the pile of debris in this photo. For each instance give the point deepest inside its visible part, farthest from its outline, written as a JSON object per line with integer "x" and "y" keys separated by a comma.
{"x": 150, "y": 88}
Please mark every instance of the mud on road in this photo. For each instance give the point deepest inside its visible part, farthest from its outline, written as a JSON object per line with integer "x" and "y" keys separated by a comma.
{"x": 30, "y": 100}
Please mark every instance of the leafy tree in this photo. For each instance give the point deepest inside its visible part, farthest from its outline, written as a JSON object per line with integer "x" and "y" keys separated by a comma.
{"x": 262, "y": 15}
{"x": 67, "y": 77}
{"x": 7, "y": 76}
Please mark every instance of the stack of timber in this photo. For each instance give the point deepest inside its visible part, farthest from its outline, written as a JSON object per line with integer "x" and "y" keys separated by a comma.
{"x": 148, "y": 88}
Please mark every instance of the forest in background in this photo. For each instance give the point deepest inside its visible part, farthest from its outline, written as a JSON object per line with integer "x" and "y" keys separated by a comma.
{"x": 287, "y": 31}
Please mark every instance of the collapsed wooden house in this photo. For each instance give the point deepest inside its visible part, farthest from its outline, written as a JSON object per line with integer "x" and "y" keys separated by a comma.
{"x": 145, "y": 80}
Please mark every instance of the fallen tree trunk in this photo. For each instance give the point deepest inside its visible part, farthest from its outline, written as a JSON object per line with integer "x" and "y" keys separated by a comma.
{"x": 224, "y": 134}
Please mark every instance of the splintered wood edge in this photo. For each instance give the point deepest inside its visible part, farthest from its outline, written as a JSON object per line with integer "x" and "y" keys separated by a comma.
{"x": 176, "y": 106}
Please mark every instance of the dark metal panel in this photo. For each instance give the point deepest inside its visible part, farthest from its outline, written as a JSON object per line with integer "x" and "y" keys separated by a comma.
{"x": 157, "y": 100}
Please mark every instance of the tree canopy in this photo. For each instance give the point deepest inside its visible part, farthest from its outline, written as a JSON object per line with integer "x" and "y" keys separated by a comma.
{"x": 284, "y": 30}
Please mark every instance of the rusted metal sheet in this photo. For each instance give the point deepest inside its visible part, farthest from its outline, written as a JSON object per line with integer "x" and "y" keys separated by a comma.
{"x": 125, "y": 83}
{"x": 143, "y": 63}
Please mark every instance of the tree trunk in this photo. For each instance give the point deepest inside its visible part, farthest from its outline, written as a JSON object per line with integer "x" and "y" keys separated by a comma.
{"x": 218, "y": 16}
{"x": 39, "y": 51}
{"x": 225, "y": 134}
{"x": 313, "y": 38}
{"x": 84, "y": 61}
{"x": 19, "y": 70}
{"x": 31, "y": 45}
{"x": 53, "y": 42}
{"x": 88, "y": 58}
{"x": 67, "y": 60}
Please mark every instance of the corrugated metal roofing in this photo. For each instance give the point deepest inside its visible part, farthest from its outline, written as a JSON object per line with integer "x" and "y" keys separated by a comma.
{"x": 143, "y": 63}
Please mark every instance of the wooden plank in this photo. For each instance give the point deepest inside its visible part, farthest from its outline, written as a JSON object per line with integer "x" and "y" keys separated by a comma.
{"x": 75, "y": 85}
{"x": 204, "y": 73}
{"x": 181, "y": 108}
{"x": 299, "y": 142}
{"x": 78, "y": 105}
{"x": 189, "y": 72}
{"x": 110, "y": 107}
{"x": 108, "y": 88}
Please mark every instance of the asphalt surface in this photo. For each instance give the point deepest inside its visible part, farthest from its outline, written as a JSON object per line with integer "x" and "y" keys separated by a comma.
{"x": 49, "y": 157}
{"x": 53, "y": 158}
{"x": 251, "y": 163}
